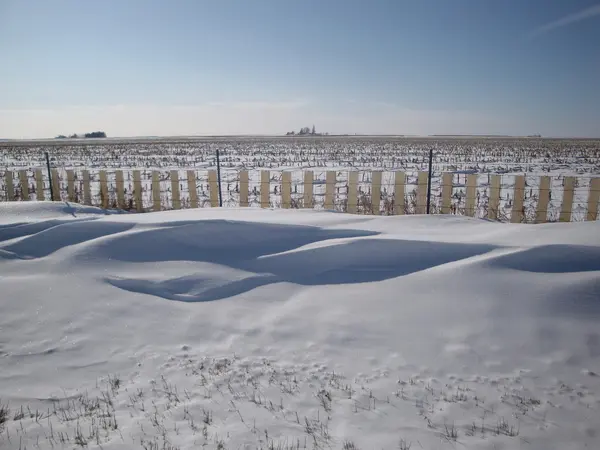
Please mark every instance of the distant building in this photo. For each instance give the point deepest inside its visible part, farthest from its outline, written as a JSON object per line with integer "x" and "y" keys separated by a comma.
{"x": 92, "y": 135}
{"x": 306, "y": 131}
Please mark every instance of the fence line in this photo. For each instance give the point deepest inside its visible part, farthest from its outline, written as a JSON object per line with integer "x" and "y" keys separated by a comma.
{"x": 343, "y": 191}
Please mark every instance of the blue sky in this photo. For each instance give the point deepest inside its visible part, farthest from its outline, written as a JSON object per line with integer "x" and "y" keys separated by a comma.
{"x": 150, "y": 67}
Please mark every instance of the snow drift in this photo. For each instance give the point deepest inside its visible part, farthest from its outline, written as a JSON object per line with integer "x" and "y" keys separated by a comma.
{"x": 247, "y": 328}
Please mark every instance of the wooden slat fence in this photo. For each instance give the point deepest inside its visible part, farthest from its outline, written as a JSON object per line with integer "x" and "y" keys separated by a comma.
{"x": 510, "y": 198}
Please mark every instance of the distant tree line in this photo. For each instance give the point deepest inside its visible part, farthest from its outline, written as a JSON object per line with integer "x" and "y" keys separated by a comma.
{"x": 93, "y": 134}
{"x": 306, "y": 131}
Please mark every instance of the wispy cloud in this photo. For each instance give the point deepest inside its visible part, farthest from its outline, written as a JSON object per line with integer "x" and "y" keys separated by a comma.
{"x": 587, "y": 13}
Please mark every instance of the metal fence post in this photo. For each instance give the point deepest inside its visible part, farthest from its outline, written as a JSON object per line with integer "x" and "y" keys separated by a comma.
{"x": 429, "y": 180}
{"x": 219, "y": 178}
{"x": 49, "y": 177}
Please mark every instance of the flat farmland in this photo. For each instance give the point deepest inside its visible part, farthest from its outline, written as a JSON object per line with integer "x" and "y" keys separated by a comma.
{"x": 531, "y": 157}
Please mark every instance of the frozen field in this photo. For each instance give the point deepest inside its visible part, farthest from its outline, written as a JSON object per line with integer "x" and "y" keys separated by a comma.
{"x": 271, "y": 329}
{"x": 497, "y": 155}
{"x": 509, "y": 157}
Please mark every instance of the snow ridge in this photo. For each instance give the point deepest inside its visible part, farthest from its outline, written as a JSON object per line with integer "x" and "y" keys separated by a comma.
{"x": 295, "y": 329}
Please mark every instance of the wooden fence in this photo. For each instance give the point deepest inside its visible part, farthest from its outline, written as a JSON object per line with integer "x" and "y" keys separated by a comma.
{"x": 20, "y": 186}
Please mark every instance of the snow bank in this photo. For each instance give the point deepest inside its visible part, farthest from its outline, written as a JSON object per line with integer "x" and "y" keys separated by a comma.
{"x": 12, "y": 213}
{"x": 283, "y": 329}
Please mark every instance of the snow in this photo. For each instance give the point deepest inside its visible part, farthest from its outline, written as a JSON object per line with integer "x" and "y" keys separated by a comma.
{"x": 531, "y": 158}
{"x": 244, "y": 328}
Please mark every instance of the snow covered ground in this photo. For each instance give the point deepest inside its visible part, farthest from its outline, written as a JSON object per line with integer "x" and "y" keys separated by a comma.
{"x": 243, "y": 328}
{"x": 533, "y": 158}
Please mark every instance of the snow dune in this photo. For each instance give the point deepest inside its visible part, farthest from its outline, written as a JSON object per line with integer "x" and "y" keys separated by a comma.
{"x": 245, "y": 328}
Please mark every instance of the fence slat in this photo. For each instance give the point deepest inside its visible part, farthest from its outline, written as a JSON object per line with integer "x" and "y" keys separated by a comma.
{"x": 104, "y": 200}
{"x": 137, "y": 190}
{"x": 399, "y": 188}
{"x": 422, "y": 192}
{"x": 352, "y": 192}
{"x": 24, "y": 185}
{"x": 120, "y": 184}
{"x": 516, "y": 215}
{"x": 376, "y": 192}
{"x": 87, "y": 193}
{"x": 176, "y": 200}
{"x": 494, "y": 200}
{"x": 39, "y": 185}
{"x": 286, "y": 189}
{"x": 10, "y": 190}
{"x": 265, "y": 188}
{"x": 330, "y": 189}
{"x": 214, "y": 188}
{"x": 244, "y": 188}
{"x": 71, "y": 185}
{"x": 56, "y": 185}
{"x": 594, "y": 197}
{"x": 447, "y": 185}
{"x": 308, "y": 189}
{"x": 156, "y": 206}
{"x": 567, "y": 203}
{"x": 471, "y": 194}
{"x": 191, "y": 181}
{"x": 541, "y": 215}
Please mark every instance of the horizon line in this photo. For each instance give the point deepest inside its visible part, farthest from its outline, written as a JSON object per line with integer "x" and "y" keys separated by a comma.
{"x": 72, "y": 141}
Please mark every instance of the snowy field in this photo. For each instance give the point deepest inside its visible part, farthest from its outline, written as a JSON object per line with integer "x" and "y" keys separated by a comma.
{"x": 247, "y": 329}
{"x": 483, "y": 155}
{"x": 506, "y": 156}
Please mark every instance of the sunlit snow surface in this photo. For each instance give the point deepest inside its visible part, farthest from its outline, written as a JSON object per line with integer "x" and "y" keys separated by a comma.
{"x": 282, "y": 329}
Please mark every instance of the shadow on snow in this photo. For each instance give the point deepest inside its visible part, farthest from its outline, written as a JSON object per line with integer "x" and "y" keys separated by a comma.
{"x": 270, "y": 254}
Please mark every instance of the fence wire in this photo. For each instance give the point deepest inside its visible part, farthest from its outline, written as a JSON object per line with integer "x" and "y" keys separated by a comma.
{"x": 575, "y": 162}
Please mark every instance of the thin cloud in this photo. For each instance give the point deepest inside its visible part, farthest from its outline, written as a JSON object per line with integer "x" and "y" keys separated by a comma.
{"x": 587, "y": 13}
